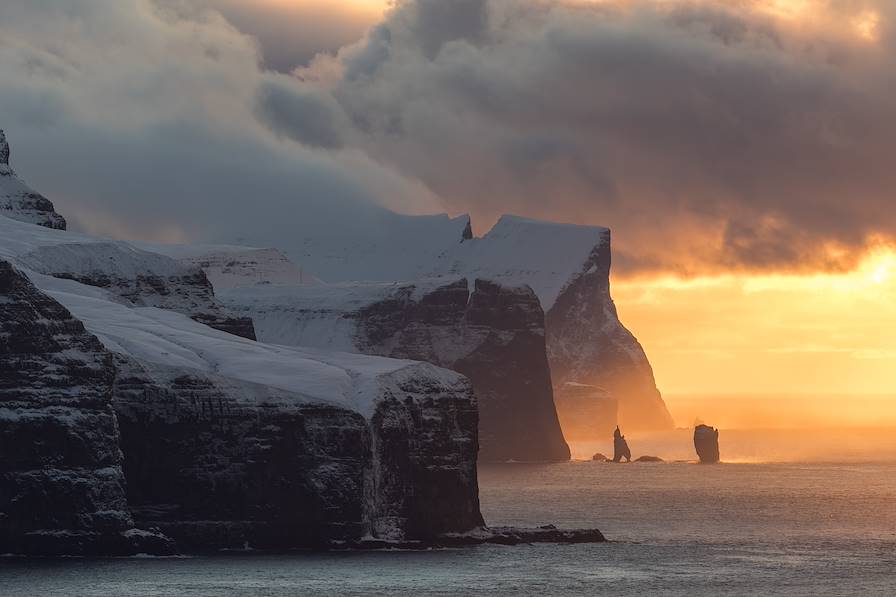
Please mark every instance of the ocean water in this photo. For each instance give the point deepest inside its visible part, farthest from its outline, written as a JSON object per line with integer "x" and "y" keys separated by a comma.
{"x": 675, "y": 529}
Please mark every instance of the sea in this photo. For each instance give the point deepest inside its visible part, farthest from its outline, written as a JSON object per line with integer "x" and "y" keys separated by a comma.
{"x": 674, "y": 528}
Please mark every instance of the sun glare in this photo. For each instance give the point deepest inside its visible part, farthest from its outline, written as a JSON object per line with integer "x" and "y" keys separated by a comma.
{"x": 767, "y": 333}
{"x": 867, "y": 24}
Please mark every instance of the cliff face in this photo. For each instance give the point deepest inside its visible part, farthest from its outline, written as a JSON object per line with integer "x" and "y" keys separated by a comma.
{"x": 94, "y": 440}
{"x": 587, "y": 344}
{"x": 494, "y": 335}
{"x": 19, "y": 201}
{"x": 62, "y": 490}
{"x": 213, "y": 469}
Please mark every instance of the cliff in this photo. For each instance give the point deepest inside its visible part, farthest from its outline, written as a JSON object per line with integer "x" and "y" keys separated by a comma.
{"x": 62, "y": 489}
{"x": 567, "y": 267}
{"x": 494, "y": 335}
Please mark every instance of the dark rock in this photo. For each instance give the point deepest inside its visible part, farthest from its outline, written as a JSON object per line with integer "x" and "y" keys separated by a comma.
{"x": 61, "y": 481}
{"x": 649, "y": 459}
{"x": 599, "y": 457}
{"x": 706, "y": 442}
{"x": 620, "y": 447}
{"x": 468, "y": 232}
{"x": 487, "y": 535}
{"x": 4, "y": 149}
{"x": 518, "y": 536}
{"x": 495, "y": 337}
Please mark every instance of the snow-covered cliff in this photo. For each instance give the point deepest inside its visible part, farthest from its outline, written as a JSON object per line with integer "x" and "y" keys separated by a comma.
{"x": 61, "y": 480}
{"x": 566, "y": 266}
{"x": 493, "y": 334}
{"x": 119, "y": 368}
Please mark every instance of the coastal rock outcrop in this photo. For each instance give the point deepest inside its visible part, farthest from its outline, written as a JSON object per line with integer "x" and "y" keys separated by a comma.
{"x": 649, "y": 459}
{"x": 493, "y": 334}
{"x": 21, "y": 202}
{"x": 216, "y": 463}
{"x": 706, "y": 442}
{"x": 289, "y": 449}
{"x": 62, "y": 489}
{"x": 620, "y": 447}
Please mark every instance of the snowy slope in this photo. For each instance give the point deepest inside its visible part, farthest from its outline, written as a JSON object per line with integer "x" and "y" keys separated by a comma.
{"x": 321, "y": 316}
{"x": 517, "y": 251}
{"x": 376, "y": 246}
{"x": 48, "y": 250}
{"x": 228, "y": 266}
{"x": 171, "y": 339}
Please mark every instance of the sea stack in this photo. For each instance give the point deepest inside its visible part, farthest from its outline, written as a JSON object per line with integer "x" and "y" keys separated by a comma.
{"x": 706, "y": 441}
{"x": 620, "y": 447}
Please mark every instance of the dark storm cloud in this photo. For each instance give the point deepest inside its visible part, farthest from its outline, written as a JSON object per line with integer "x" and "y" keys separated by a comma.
{"x": 153, "y": 120}
{"x": 306, "y": 116}
{"x": 708, "y": 134}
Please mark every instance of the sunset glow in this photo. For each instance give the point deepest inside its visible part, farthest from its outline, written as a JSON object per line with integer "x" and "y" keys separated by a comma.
{"x": 809, "y": 337}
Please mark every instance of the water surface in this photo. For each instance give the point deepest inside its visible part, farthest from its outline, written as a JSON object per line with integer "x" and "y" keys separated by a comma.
{"x": 679, "y": 529}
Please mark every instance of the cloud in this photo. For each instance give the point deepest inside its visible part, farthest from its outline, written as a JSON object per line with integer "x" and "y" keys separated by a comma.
{"x": 708, "y": 134}
{"x": 154, "y": 120}
{"x": 291, "y": 33}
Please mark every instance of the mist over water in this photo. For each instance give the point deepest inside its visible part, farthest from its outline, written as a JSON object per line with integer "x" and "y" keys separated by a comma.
{"x": 844, "y": 445}
{"x": 785, "y": 411}
{"x": 766, "y": 428}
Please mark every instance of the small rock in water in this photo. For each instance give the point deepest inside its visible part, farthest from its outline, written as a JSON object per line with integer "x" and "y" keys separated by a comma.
{"x": 620, "y": 447}
{"x": 649, "y": 459}
{"x": 599, "y": 457}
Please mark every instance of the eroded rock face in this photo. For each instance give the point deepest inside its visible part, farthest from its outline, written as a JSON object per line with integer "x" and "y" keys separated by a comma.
{"x": 62, "y": 490}
{"x": 493, "y": 335}
{"x": 19, "y": 201}
{"x": 587, "y": 344}
{"x": 219, "y": 464}
{"x": 424, "y": 443}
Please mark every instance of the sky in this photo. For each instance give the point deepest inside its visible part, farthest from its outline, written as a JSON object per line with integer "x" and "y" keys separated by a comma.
{"x": 741, "y": 150}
